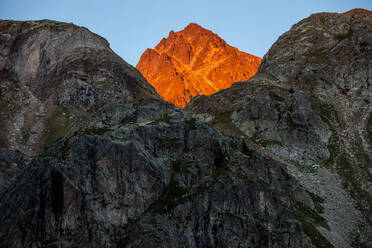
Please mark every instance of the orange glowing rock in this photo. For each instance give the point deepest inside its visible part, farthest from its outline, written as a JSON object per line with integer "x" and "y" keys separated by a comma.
{"x": 194, "y": 61}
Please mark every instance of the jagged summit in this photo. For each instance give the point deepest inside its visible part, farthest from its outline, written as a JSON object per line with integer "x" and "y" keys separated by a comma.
{"x": 359, "y": 13}
{"x": 193, "y": 25}
{"x": 194, "y": 29}
{"x": 194, "y": 61}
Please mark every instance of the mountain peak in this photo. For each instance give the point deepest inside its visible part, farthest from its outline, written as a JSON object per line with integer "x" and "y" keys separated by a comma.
{"x": 194, "y": 61}
{"x": 194, "y": 26}
{"x": 359, "y": 13}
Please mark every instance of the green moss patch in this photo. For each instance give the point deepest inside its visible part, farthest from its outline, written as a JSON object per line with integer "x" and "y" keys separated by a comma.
{"x": 191, "y": 123}
{"x": 9, "y": 108}
{"x": 57, "y": 126}
{"x": 95, "y": 131}
{"x": 172, "y": 195}
{"x": 165, "y": 118}
{"x": 8, "y": 111}
{"x": 267, "y": 143}
{"x": 328, "y": 114}
{"x": 310, "y": 220}
{"x": 275, "y": 97}
{"x": 318, "y": 201}
{"x": 303, "y": 168}
{"x": 341, "y": 37}
{"x": 351, "y": 182}
{"x": 224, "y": 123}
{"x": 326, "y": 110}
{"x": 293, "y": 125}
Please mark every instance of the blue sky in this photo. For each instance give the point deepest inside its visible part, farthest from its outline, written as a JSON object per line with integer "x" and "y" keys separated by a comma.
{"x": 132, "y": 26}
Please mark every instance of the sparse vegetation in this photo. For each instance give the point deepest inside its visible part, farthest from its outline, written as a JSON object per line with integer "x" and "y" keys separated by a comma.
{"x": 191, "y": 123}
{"x": 303, "y": 168}
{"x": 164, "y": 119}
{"x": 275, "y": 97}
{"x": 9, "y": 108}
{"x": 341, "y": 37}
{"x": 317, "y": 56}
{"x": 328, "y": 114}
{"x": 369, "y": 129}
{"x": 310, "y": 220}
{"x": 57, "y": 126}
{"x": 172, "y": 195}
{"x": 318, "y": 201}
{"x": 266, "y": 143}
{"x": 224, "y": 123}
{"x": 25, "y": 132}
{"x": 350, "y": 182}
{"x": 95, "y": 131}
{"x": 2, "y": 142}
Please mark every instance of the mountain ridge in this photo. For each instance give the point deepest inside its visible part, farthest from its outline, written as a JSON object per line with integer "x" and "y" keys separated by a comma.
{"x": 287, "y": 163}
{"x": 194, "y": 61}
{"x": 53, "y": 75}
{"x": 310, "y": 105}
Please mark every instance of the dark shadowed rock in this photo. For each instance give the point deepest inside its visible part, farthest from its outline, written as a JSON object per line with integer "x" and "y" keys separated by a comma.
{"x": 151, "y": 175}
{"x": 52, "y": 76}
{"x": 310, "y": 105}
{"x": 11, "y": 162}
{"x": 139, "y": 172}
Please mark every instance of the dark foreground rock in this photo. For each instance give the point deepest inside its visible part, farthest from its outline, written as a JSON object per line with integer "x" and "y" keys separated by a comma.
{"x": 11, "y": 162}
{"x": 151, "y": 175}
{"x": 52, "y": 76}
{"x": 139, "y": 172}
{"x": 310, "y": 106}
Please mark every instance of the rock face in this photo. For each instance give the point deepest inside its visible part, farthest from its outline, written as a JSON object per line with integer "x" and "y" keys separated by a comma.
{"x": 11, "y": 162}
{"x": 139, "y": 172}
{"x": 52, "y": 76}
{"x": 310, "y": 105}
{"x": 193, "y": 62}
{"x": 151, "y": 175}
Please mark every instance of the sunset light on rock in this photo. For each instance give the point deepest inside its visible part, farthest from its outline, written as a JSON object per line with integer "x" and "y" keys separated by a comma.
{"x": 194, "y": 61}
{"x": 186, "y": 124}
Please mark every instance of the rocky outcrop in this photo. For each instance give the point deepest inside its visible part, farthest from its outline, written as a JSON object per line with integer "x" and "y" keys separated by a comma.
{"x": 310, "y": 106}
{"x": 193, "y": 62}
{"x": 134, "y": 171}
{"x": 11, "y": 162}
{"x": 52, "y": 76}
{"x": 151, "y": 175}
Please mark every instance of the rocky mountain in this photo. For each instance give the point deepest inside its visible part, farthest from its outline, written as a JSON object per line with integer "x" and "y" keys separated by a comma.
{"x": 194, "y": 61}
{"x": 52, "y": 76}
{"x": 310, "y": 106}
{"x": 293, "y": 169}
{"x": 151, "y": 175}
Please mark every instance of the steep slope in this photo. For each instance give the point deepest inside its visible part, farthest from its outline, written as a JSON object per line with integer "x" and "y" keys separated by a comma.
{"x": 143, "y": 173}
{"x": 52, "y": 76}
{"x": 138, "y": 172}
{"x": 151, "y": 175}
{"x": 193, "y": 62}
{"x": 310, "y": 105}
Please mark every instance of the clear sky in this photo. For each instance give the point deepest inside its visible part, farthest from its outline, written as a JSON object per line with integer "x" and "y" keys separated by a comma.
{"x": 132, "y": 26}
